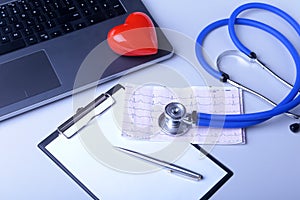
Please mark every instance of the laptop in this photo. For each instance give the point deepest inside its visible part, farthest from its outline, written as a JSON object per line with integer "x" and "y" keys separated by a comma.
{"x": 44, "y": 44}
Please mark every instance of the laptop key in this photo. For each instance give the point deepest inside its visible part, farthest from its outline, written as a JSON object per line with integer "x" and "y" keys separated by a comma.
{"x": 7, "y": 29}
{"x": 2, "y": 22}
{"x": 67, "y": 28}
{"x": 50, "y": 24}
{"x": 117, "y": 6}
{"x": 18, "y": 26}
{"x": 39, "y": 27}
{"x": 16, "y": 35}
{"x": 51, "y": 15}
{"x": 96, "y": 18}
{"x": 44, "y": 36}
{"x": 69, "y": 18}
{"x": 67, "y": 10}
{"x": 31, "y": 40}
{"x": 56, "y": 34}
{"x": 27, "y": 32}
{"x": 4, "y": 39}
{"x": 80, "y": 25}
{"x": 12, "y": 46}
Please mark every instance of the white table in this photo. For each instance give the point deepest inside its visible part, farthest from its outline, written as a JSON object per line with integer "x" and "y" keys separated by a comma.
{"x": 267, "y": 167}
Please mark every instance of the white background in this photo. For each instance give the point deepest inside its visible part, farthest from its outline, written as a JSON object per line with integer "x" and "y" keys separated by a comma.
{"x": 267, "y": 167}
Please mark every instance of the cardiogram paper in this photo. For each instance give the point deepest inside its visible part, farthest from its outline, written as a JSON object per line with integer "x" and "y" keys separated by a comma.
{"x": 144, "y": 105}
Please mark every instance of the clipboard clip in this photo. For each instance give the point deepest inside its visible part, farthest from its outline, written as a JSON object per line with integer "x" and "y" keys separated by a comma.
{"x": 86, "y": 114}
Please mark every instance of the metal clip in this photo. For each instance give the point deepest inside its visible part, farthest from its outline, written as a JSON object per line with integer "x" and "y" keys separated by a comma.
{"x": 86, "y": 114}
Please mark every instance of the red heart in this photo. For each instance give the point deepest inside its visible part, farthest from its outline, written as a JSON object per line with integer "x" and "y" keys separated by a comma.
{"x": 136, "y": 37}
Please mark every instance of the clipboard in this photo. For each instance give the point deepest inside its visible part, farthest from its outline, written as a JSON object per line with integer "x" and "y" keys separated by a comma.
{"x": 87, "y": 155}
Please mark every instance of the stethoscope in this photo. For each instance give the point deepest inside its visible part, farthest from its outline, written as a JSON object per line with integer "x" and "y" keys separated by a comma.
{"x": 176, "y": 121}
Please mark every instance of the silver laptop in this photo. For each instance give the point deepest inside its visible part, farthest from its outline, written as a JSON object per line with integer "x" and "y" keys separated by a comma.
{"x": 44, "y": 43}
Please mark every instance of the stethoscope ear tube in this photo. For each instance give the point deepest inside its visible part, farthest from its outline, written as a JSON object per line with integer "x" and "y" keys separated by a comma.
{"x": 237, "y": 11}
{"x": 245, "y": 120}
{"x": 239, "y": 54}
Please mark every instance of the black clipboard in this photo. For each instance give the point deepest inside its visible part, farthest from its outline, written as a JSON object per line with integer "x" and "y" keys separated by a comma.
{"x": 58, "y": 139}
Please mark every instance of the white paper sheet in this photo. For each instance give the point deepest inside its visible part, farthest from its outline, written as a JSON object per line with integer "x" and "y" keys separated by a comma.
{"x": 110, "y": 174}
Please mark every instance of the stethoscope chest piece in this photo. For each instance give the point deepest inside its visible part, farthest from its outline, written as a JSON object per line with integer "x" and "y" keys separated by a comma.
{"x": 173, "y": 120}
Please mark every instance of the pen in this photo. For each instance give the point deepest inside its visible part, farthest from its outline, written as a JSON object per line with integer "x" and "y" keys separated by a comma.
{"x": 175, "y": 169}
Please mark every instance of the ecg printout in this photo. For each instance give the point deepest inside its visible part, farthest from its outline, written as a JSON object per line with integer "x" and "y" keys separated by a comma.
{"x": 144, "y": 105}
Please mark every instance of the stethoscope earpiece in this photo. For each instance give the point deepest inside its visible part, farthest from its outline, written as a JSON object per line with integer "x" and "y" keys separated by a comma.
{"x": 295, "y": 127}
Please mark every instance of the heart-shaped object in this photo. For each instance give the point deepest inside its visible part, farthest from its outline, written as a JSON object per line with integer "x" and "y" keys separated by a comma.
{"x": 136, "y": 37}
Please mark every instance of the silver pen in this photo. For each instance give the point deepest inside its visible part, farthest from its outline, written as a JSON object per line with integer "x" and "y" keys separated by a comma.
{"x": 175, "y": 169}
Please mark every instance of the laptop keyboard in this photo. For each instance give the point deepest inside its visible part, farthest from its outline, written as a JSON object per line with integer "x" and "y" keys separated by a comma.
{"x": 28, "y": 22}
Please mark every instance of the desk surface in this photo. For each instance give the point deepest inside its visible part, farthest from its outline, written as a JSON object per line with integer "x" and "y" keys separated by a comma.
{"x": 267, "y": 167}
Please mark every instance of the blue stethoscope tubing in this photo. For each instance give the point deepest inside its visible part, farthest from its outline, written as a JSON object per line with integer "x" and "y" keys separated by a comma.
{"x": 249, "y": 119}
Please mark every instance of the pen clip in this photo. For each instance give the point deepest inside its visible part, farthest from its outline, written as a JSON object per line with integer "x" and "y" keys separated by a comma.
{"x": 86, "y": 114}
{"x": 187, "y": 174}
